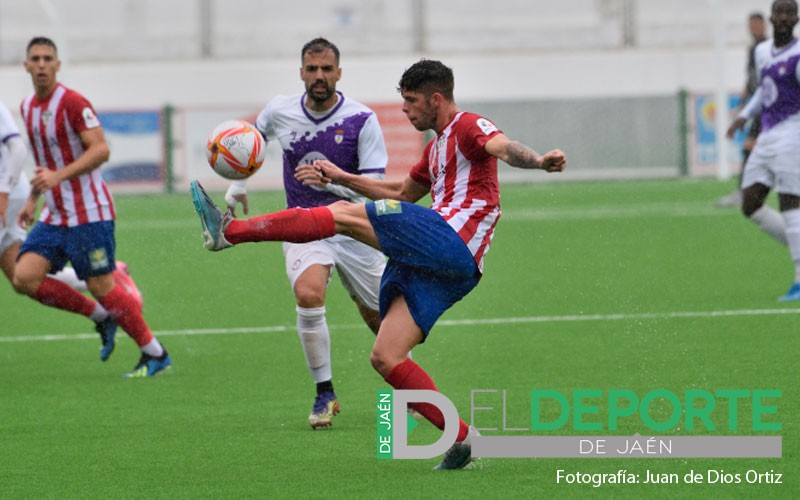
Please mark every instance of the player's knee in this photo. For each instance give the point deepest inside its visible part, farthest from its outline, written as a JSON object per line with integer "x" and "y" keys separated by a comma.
{"x": 383, "y": 362}
{"x": 24, "y": 285}
{"x": 348, "y": 215}
{"x": 309, "y": 297}
{"x": 378, "y": 362}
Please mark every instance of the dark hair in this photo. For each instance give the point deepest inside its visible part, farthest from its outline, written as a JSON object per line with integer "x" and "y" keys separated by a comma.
{"x": 757, "y": 15}
{"x": 428, "y": 76}
{"x": 776, "y": 2}
{"x": 41, "y": 40}
{"x": 318, "y": 45}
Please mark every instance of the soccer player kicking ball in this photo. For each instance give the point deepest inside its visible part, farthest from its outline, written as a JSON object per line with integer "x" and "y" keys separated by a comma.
{"x": 435, "y": 254}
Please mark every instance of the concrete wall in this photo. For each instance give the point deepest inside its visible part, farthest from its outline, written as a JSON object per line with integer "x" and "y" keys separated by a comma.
{"x": 615, "y": 112}
{"x": 555, "y": 75}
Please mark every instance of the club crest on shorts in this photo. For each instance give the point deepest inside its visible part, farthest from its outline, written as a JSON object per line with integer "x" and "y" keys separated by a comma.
{"x": 383, "y": 207}
{"x": 98, "y": 258}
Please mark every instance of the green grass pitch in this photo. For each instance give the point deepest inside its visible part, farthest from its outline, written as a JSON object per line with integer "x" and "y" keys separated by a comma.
{"x": 634, "y": 285}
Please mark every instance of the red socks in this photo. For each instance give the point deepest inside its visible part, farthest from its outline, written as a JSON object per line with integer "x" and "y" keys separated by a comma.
{"x": 295, "y": 225}
{"x": 409, "y": 375}
{"x": 58, "y": 294}
{"x": 125, "y": 310}
{"x": 121, "y": 305}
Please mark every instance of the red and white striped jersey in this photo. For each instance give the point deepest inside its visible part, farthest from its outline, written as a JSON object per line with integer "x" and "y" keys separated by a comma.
{"x": 462, "y": 178}
{"x": 54, "y": 126}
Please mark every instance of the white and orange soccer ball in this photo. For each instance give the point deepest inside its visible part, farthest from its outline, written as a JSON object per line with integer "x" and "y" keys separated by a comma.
{"x": 235, "y": 149}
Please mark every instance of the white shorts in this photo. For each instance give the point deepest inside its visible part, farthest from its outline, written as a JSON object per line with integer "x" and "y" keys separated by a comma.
{"x": 11, "y": 233}
{"x": 360, "y": 266}
{"x": 775, "y": 163}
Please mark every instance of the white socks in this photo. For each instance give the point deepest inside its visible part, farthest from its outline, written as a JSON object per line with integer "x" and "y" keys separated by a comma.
{"x": 784, "y": 227}
{"x": 316, "y": 340}
{"x": 771, "y": 222}
{"x": 153, "y": 348}
{"x": 99, "y": 313}
{"x": 792, "y": 220}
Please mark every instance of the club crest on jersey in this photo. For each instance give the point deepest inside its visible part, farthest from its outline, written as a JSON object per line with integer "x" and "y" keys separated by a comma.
{"x": 47, "y": 115}
{"x": 384, "y": 207}
{"x": 98, "y": 259}
{"x": 486, "y": 126}
{"x": 339, "y": 137}
{"x": 89, "y": 118}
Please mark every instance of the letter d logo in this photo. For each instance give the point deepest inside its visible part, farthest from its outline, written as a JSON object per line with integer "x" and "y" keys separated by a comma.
{"x": 400, "y": 415}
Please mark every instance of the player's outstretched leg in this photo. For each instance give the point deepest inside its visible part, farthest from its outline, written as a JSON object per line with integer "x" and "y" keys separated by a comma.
{"x": 295, "y": 225}
{"x": 212, "y": 219}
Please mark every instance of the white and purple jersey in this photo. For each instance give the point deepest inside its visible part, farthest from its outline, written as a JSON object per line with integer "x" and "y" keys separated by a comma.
{"x": 348, "y": 135}
{"x": 779, "y": 87}
{"x": 17, "y": 188}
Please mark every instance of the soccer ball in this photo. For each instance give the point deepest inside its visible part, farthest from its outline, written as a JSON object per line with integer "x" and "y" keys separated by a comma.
{"x": 235, "y": 149}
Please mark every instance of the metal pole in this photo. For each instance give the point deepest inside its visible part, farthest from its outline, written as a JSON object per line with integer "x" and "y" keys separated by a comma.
{"x": 721, "y": 95}
{"x": 418, "y": 26}
{"x": 206, "y": 48}
{"x": 683, "y": 133}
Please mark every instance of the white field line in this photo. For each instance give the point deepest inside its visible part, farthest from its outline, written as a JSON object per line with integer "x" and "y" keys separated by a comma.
{"x": 443, "y": 323}
{"x": 656, "y": 209}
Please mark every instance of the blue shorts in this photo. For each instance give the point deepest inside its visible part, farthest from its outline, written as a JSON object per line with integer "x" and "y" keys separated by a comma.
{"x": 89, "y": 247}
{"x": 429, "y": 264}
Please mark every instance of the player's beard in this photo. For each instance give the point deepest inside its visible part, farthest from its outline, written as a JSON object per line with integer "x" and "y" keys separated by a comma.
{"x": 320, "y": 98}
{"x": 426, "y": 119}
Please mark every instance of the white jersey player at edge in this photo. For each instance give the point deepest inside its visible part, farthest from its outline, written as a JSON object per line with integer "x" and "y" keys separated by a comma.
{"x": 324, "y": 124}
{"x": 774, "y": 162}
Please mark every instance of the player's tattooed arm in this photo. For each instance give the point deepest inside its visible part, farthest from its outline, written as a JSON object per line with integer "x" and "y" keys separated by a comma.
{"x": 519, "y": 155}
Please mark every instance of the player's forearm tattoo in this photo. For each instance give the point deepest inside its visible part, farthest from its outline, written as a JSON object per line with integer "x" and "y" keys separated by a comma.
{"x": 520, "y": 155}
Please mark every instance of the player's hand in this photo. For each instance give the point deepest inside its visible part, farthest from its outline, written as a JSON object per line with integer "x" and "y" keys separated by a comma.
{"x": 554, "y": 161}
{"x": 234, "y": 195}
{"x": 329, "y": 172}
{"x": 310, "y": 175}
{"x": 45, "y": 179}
{"x": 737, "y": 124}
{"x": 25, "y": 217}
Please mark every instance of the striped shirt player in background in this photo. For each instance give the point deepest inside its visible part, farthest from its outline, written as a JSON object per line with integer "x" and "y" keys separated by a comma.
{"x": 14, "y": 191}
{"x": 76, "y": 223}
{"x": 774, "y": 162}
{"x": 435, "y": 254}
{"x": 322, "y": 123}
